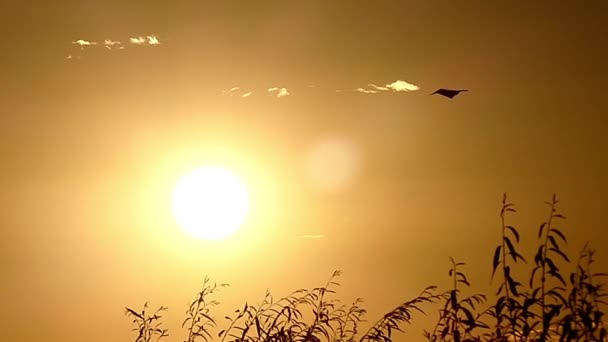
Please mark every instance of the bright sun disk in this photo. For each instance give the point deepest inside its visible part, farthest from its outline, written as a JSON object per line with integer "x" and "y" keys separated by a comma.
{"x": 210, "y": 203}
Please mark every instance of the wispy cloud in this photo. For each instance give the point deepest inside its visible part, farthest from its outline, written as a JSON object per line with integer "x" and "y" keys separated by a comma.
{"x": 147, "y": 40}
{"x": 82, "y": 43}
{"x": 377, "y": 87}
{"x": 152, "y": 40}
{"x": 282, "y": 92}
{"x": 398, "y": 85}
{"x": 110, "y": 44}
{"x": 230, "y": 92}
{"x": 236, "y": 91}
{"x": 278, "y": 92}
{"x": 367, "y": 91}
{"x": 137, "y": 40}
{"x": 72, "y": 57}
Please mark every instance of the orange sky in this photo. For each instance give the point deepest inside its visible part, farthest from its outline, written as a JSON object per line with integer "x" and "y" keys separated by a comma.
{"x": 91, "y": 145}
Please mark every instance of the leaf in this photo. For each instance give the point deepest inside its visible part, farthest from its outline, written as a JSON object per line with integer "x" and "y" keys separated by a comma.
{"x": 532, "y": 275}
{"x": 559, "y": 233}
{"x": 538, "y": 258}
{"x": 556, "y": 295}
{"x": 514, "y": 231}
{"x": 496, "y": 260}
{"x": 453, "y": 299}
{"x": 463, "y": 278}
{"x": 258, "y": 326}
{"x": 513, "y": 286}
{"x": 553, "y": 242}
{"x": 512, "y": 251}
{"x": 561, "y": 279}
{"x": 540, "y": 230}
{"x": 132, "y": 312}
{"x": 562, "y": 254}
{"x": 470, "y": 317}
{"x": 552, "y": 267}
{"x": 186, "y": 320}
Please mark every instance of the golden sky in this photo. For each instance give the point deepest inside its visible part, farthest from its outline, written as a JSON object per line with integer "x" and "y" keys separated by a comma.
{"x": 331, "y": 125}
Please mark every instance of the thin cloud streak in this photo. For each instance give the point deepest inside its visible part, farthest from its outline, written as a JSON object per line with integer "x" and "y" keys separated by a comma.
{"x": 366, "y": 91}
{"x": 319, "y": 236}
{"x": 230, "y": 92}
{"x": 112, "y": 44}
{"x": 236, "y": 91}
{"x": 279, "y": 92}
{"x": 377, "y": 87}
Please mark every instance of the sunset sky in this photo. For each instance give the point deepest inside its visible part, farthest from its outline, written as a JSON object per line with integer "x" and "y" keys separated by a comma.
{"x": 323, "y": 109}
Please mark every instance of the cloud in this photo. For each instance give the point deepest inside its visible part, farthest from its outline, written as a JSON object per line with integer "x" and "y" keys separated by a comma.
{"x": 82, "y": 43}
{"x": 152, "y": 40}
{"x": 137, "y": 40}
{"x": 236, "y": 91}
{"x": 112, "y": 44}
{"x": 71, "y": 57}
{"x": 371, "y": 88}
{"x": 280, "y": 92}
{"x": 398, "y": 85}
{"x": 367, "y": 91}
{"x": 377, "y": 87}
{"x": 147, "y": 40}
{"x": 402, "y": 86}
{"x": 109, "y": 44}
{"x": 230, "y": 91}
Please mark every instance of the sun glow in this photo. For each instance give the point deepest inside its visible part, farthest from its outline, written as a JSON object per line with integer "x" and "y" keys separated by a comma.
{"x": 210, "y": 203}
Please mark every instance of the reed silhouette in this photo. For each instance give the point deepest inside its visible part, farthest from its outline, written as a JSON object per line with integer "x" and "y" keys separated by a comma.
{"x": 547, "y": 306}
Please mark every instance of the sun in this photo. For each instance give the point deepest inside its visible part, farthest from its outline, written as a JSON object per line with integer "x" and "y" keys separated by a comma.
{"x": 210, "y": 203}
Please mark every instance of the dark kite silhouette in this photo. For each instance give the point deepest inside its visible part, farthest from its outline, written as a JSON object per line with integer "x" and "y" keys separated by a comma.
{"x": 448, "y": 92}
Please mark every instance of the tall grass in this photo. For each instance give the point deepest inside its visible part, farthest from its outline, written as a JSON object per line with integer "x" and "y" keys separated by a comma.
{"x": 545, "y": 305}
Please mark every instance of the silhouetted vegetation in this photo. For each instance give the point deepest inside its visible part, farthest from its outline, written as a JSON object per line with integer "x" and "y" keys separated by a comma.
{"x": 547, "y": 306}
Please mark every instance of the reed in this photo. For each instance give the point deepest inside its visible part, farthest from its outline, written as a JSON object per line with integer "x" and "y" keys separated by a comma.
{"x": 550, "y": 306}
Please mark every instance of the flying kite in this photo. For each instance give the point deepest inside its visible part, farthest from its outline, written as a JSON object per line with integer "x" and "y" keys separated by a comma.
{"x": 448, "y": 92}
